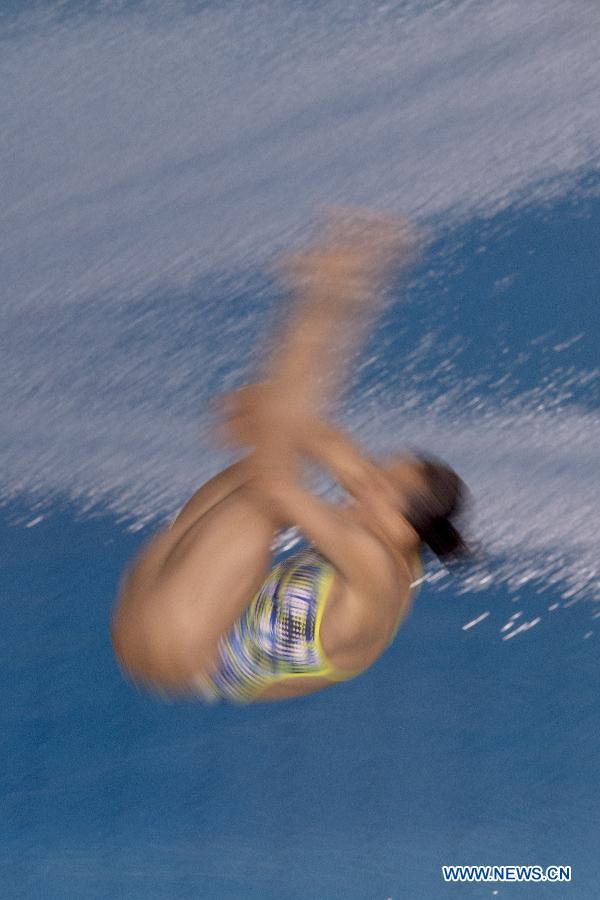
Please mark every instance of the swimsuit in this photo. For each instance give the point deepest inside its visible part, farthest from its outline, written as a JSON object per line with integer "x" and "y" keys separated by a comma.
{"x": 277, "y": 636}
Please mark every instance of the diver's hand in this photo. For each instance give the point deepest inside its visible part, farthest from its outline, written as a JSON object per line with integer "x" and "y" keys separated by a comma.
{"x": 357, "y": 473}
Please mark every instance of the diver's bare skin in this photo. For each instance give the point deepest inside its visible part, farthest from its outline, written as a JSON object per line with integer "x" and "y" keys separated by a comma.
{"x": 191, "y": 583}
{"x": 337, "y": 285}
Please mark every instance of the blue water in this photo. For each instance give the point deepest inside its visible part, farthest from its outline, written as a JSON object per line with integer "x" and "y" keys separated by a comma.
{"x": 152, "y": 180}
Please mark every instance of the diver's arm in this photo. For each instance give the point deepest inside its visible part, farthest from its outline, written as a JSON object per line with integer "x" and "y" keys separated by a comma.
{"x": 355, "y": 552}
{"x": 260, "y": 409}
{"x": 357, "y": 474}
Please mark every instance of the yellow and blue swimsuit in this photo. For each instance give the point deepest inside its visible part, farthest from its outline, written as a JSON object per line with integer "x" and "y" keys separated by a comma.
{"x": 277, "y": 637}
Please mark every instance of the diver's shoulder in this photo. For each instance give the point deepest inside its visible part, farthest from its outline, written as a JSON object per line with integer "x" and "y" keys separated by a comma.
{"x": 378, "y": 608}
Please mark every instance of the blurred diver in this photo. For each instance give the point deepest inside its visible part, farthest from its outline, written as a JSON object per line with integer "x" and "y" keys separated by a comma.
{"x": 204, "y": 609}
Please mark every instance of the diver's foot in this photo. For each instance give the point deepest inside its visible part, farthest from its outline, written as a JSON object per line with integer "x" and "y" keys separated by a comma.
{"x": 356, "y": 254}
{"x": 378, "y": 237}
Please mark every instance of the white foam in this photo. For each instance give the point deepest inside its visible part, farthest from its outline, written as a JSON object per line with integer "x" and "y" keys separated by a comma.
{"x": 152, "y": 146}
{"x": 34, "y": 522}
{"x": 476, "y": 621}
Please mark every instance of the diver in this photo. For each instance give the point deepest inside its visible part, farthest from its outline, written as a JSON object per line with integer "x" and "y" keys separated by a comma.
{"x": 204, "y": 609}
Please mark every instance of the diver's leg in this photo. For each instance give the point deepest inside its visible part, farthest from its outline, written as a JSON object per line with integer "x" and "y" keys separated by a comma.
{"x": 307, "y": 366}
{"x": 338, "y": 291}
{"x": 169, "y": 618}
{"x": 208, "y": 495}
{"x": 338, "y": 288}
{"x": 309, "y": 363}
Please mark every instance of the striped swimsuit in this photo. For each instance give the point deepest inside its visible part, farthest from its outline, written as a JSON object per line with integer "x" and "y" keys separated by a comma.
{"x": 277, "y": 636}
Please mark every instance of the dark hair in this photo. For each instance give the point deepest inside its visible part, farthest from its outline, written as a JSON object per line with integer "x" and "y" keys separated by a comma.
{"x": 431, "y": 512}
